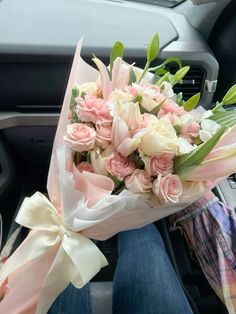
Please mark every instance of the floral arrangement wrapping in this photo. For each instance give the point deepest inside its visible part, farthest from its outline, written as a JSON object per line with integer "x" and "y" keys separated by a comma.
{"x": 128, "y": 151}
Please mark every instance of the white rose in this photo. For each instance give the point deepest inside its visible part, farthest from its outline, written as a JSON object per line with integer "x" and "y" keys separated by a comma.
{"x": 208, "y": 128}
{"x": 184, "y": 146}
{"x": 167, "y": 89}
{"x": 185, "y": 119}
{"x": 161, "y": 138}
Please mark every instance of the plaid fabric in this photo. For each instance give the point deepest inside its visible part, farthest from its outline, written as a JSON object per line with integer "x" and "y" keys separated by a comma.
{"x": 209, "y": 227}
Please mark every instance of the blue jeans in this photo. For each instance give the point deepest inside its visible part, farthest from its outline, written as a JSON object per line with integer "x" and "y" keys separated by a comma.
{"x": 144, "y": 282}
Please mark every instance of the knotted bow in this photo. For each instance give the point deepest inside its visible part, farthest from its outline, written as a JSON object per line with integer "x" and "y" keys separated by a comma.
{"x": 77, "y": 259}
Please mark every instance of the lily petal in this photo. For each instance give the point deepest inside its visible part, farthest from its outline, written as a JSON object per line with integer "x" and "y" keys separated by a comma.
{"x": 228, "y": 138}
{"x": 222, "y": 165}
{"x": 105, "y": 79}
{"x": 120, "y": 132}
{"x": 128, "y": 146}
{"x": 120, "y": 74}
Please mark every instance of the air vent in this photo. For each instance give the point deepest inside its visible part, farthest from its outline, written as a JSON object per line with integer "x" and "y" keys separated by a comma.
{"x": 192, "y": 83}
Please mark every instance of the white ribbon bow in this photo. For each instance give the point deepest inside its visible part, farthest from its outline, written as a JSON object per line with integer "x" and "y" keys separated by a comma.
{"x": 77, "y": 259}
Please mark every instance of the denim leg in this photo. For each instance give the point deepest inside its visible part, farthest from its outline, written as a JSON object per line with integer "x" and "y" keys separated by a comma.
{"x": 72, "y": 301}
{"x": 145, "y": 281}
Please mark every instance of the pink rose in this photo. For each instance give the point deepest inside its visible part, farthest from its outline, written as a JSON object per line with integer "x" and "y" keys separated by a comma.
{"x": 190, "y": 130}
{"x": 160, "y": 164}
{"x": 103, "y": 135}
{"x": 168, "y": 188}
{"x": 170, "y": 107}
{"x": 138, "y": 182}
{"x": 84, "y": 166}
{"x": 80, "y": 137}
{"x": 119, "y": 166}
{"x": 92, "y": 109}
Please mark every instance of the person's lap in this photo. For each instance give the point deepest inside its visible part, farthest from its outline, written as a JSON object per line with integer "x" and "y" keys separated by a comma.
{"x": 144, "y": 280}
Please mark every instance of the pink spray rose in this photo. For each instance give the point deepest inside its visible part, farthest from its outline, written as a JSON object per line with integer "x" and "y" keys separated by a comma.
{"x": 190, "y": 130}
{"x": 138, "y": 182}
{"x": 170, "y": 107}
{"x": 160, "y": 164}
{"x": 103, "y": 135}
{"x": 119, "y": 166}
{"x": 168, "y": 188}
{"x": 80, "y": 137}
{"x": 92, "y": 109}
{"x": 84, "y": 166}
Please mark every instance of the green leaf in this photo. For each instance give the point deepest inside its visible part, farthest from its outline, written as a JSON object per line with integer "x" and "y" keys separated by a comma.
{"x": 74, "y": 94}
{"x": 154, "y": 111}
{"x": 160, "y": 72}
{"x": 192, "y": 102}
{"x": 132, "y": 76}
{"x": 116, "y": 51}
{"x": 137, "y": 160}
{"x": 179, "y": 75}
{"x": 197, "y": 140}
{"x": 165, "y": 77}
{"x": 152, "y": 51}
{"x": 88, "y": 157}
{"x": 226, "y": 118}
{"x": 177, "y": 128}
{"x": 137, "y": 98}
{"x": 167, "y": 61}
{"x": 230, "y": 97}
{"x": 117, "y": 182}
{"x": 218, "y": 107}
{"x": 76, "y": 158}
{"x": 153, "y": 47}
{"x": 142, "y": 109}
{"x": 186, "y": 162}
{"x": 83, "y": 94}
{"x": 172, "y": 60}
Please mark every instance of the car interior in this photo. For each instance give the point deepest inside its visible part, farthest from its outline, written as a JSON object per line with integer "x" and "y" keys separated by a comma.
{"x": 37, "y": 44}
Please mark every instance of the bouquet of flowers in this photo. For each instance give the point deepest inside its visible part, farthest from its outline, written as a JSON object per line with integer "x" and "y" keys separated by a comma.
{"x": 128, "y": 151}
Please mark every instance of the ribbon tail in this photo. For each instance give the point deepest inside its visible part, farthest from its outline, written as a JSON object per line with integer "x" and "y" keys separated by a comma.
{"x": 77, "y": 261}
{"x": 87, "y": 259}
{"x": 55, "y": 282}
